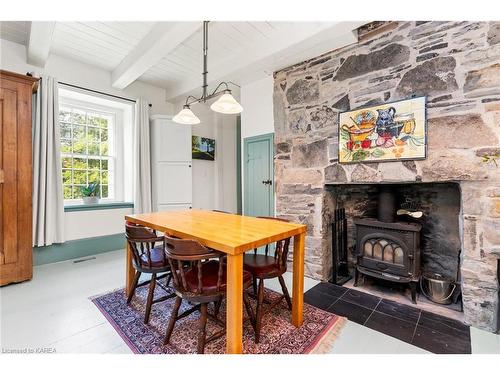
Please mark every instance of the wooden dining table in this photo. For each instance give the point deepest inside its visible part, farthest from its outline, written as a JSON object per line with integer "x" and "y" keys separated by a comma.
{"x": 232, "y": 235}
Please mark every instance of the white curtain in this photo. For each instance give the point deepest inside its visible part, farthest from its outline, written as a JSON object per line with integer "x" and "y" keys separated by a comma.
{"x": 142, "y": 158}
{"x": 48, "y": 200}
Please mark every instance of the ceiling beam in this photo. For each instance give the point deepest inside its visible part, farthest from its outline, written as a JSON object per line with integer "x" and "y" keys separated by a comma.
{"x": 288, "y": 47}
{"x": 40, "y": 39}
{"x": 163, "y": 38}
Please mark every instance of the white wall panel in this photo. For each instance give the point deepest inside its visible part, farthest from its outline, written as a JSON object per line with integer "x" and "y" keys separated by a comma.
{"x": 86, "y": 224}
{"x": 171, "y": 163}
{"x": 173, "y": 207}
{"x": 174, "y": 182}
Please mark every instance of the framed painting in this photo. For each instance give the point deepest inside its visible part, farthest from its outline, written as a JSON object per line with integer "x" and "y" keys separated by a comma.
{"x": 202, "y": 148}
{"x": 385, "y": 132}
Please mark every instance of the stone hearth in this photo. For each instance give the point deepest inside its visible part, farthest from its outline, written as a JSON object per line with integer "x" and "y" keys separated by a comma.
{"x": 440, "y": 202}
{"x": 440, "y": 235}
{"x": 457, "y": 66}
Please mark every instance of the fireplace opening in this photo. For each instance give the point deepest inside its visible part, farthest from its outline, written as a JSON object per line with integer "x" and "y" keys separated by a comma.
{"x": 395, "y": 233}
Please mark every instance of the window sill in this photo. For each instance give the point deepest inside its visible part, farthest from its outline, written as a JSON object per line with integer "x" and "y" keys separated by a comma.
{"x": 98, "y": 206}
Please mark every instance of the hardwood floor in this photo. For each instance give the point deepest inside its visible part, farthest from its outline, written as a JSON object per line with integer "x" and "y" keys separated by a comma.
{"x": 54, "y": 311}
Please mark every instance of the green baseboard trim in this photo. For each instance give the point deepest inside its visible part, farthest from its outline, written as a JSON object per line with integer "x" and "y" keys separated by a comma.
{"x": 77, "y": 249}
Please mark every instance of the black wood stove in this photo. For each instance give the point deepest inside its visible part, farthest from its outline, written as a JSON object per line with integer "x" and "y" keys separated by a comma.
{"x": 388, "y": 249}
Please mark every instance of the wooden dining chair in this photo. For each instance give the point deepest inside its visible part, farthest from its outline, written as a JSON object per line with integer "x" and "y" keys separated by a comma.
{"x": 200, "y": 284}
{"x": 148, "y": 257}
{"x": 270, "y": 265}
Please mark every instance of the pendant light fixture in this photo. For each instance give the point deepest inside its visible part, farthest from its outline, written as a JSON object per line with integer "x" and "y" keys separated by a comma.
{"x": 186, "y": 116}
{"x": 226, "y": 103}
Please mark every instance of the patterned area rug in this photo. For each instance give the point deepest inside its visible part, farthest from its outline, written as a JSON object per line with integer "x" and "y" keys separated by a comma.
{"x": 278, "y": 335}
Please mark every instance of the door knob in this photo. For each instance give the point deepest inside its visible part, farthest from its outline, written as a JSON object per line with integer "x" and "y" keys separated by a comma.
{"x": 267, "y": 182}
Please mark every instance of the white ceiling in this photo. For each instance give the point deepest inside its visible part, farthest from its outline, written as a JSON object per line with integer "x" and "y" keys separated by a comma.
{"x": 169, "y": 54}
{"x": 103, "y": 44}
{"x": 225, "y": 38}
{"x": 15, "y": 31}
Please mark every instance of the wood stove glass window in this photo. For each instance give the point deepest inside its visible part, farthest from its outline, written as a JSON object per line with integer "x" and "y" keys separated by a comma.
{"x": 383, "y": 250}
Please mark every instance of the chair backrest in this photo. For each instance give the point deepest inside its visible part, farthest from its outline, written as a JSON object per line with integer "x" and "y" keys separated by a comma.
{"x": 281, "y": 249}
{"x": 142, "y": 240}
{"x": 184, "y": 251}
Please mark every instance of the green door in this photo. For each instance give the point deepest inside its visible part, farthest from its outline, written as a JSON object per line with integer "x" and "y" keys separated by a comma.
{"x": 258, "y": 176}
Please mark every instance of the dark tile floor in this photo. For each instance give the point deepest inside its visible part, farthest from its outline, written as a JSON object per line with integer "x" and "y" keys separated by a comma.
{"x": 426, "y": 330}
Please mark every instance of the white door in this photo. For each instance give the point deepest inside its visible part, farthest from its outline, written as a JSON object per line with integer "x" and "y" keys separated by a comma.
{"x": 171, "y": 164}
{"x": 174, "y": 183}
{"x": 174, "y": 207}
{"x": 172, "y": 142}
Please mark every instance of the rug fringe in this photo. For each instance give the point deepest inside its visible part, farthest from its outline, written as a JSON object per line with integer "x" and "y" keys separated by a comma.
{"x": 325, "y": 344}
{"x": 106, "y": 293}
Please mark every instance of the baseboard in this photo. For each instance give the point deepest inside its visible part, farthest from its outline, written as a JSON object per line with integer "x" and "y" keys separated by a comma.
{"x": 77, "y": 248}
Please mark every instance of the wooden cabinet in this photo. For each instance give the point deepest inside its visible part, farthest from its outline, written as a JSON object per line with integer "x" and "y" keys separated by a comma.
{"x": 171, "y": 165}
{"x": 16, "y": 252}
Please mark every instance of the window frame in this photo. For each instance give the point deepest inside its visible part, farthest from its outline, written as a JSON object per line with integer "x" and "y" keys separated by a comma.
{"x": 117, "y": 145}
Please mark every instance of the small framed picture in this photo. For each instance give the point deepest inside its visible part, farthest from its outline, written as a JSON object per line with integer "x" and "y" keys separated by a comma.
{"x": 203, "y": 148}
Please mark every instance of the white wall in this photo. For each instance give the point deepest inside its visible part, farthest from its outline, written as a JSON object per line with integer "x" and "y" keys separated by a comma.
{"x": 226, "y": 183}
{"x": 84, "y": 224}
{"x": 257, "y": 117}
{"x": 214, "y": 182}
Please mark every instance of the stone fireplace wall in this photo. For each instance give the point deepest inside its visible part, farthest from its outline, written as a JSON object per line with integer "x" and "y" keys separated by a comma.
{"x": 457, "y": 66}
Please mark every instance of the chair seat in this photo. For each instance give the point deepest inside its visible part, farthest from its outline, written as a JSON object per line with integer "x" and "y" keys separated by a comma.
{"x": 158, "y": 259}
{"x": 260, "y": 264}
{"x": 210, "y": 272}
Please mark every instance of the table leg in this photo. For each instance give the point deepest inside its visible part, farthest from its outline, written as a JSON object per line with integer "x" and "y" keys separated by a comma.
{"x": 129, "y": 271}
{"x": 298, "y": 279}
{"x": 234, "y": 313}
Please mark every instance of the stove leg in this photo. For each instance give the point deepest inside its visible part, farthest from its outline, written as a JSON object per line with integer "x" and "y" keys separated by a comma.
{"x": 356, "y": 276}
{"x": 413, "y": 287}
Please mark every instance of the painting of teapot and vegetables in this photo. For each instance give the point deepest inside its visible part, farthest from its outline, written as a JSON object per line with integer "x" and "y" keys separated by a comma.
{"x": 391, "y": 131}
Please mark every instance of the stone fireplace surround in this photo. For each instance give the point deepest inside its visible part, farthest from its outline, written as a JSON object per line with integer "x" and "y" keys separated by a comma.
{"x": 440, "y": 203}
{"x": 457, "y": 66}
{"x": 440, "y": 237}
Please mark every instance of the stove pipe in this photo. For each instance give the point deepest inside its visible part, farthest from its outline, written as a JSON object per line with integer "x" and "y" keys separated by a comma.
{"x": 386, "y": 204}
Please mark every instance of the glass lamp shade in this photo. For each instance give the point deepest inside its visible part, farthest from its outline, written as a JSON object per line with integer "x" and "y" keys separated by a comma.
{"x": 226, "y": 104}
{"x": 186, "y": 116}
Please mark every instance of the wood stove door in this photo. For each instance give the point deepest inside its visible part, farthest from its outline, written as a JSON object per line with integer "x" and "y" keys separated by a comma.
{"x": 384, "y": 253}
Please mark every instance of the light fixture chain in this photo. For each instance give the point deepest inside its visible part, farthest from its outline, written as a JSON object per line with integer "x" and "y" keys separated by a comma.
{"x": 205, "y": 60}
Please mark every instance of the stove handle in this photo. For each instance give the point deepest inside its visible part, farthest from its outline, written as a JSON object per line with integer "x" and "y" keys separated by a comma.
{"x": 391, "y": 276}
{"x": 381, "y": 266}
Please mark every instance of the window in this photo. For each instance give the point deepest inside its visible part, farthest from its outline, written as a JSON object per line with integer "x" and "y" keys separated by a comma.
{"x": 87, "y": 151}
{"x": 92, "y": 144}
